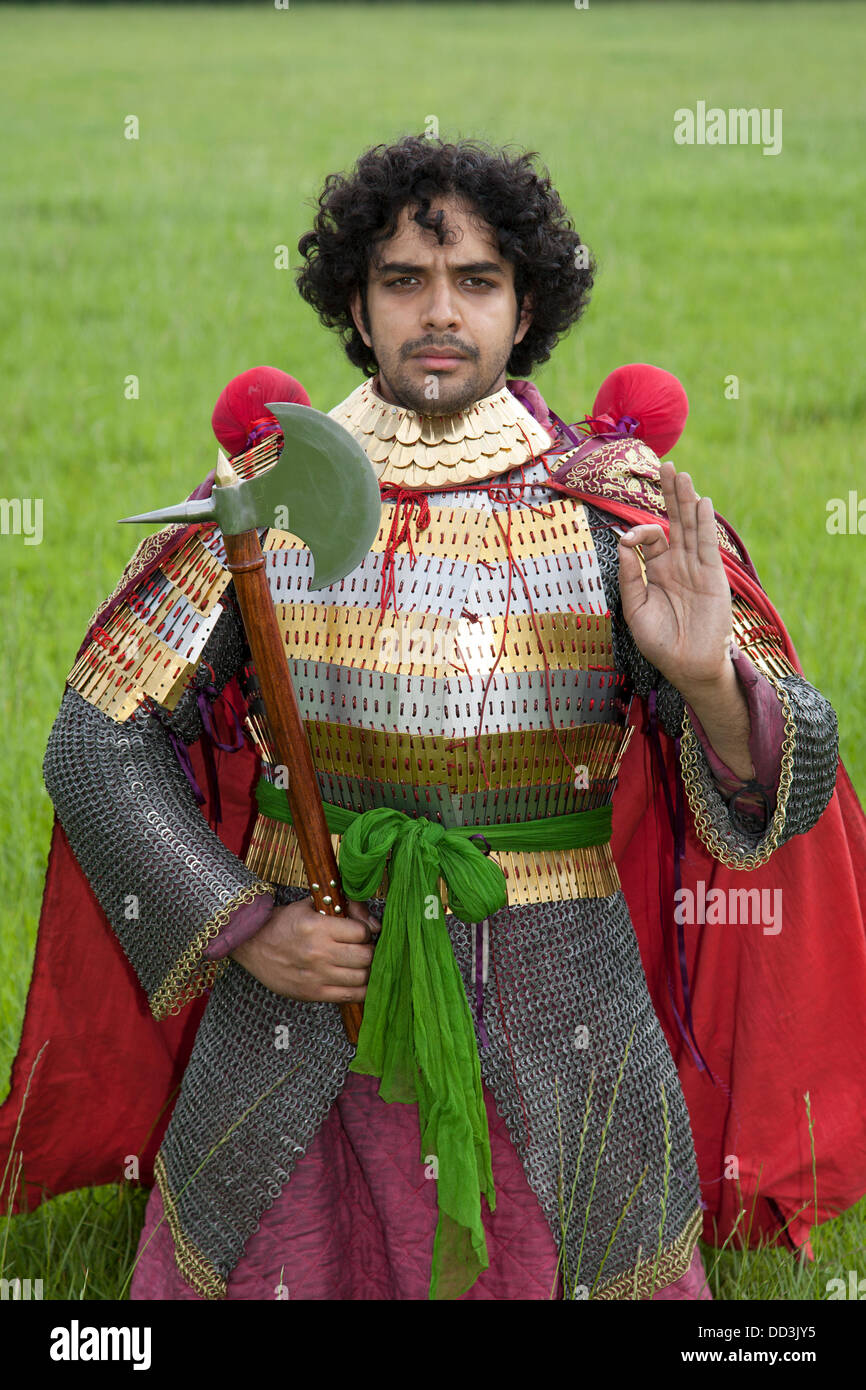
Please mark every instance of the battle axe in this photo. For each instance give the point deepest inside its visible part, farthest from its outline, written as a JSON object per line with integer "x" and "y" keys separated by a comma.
{"x": 323, "y": 489}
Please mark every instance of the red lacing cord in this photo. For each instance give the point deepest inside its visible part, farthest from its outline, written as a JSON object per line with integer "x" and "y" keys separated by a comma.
{"x": 513, "y": 565}
{"x": 478, "y": 735}
{"x": 505, "y": 493}
{"x": 405, "y": 500}
{"x": 502, "y": 493}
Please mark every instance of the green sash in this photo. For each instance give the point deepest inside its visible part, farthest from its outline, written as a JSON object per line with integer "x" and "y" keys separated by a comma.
{"x": 418, "y": 1034}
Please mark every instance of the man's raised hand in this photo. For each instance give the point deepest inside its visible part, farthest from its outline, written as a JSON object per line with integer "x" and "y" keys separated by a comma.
{"x": 681, "y": 617}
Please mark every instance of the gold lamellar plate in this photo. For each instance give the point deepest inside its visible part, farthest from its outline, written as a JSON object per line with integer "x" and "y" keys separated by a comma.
{"x": 762, "y": 643}
{"x": 126, "y": 661}
{"x": 259, "y": 459}
{"x": 556, "y": 528}
{"x": 430, "y": 451}
{"x": 533, "y": 759}
{"x": 444, "y": 647}
{"x": 539, "y": 877}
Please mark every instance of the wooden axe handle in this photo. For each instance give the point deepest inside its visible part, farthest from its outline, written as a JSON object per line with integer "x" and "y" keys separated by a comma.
{"x": 247, "y": 564}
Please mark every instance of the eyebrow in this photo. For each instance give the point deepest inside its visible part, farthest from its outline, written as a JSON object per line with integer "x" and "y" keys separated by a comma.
{"x": 405, "y": 268}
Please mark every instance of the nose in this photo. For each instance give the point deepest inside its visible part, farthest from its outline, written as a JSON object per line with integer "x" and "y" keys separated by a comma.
{"x": 440, "y": 312}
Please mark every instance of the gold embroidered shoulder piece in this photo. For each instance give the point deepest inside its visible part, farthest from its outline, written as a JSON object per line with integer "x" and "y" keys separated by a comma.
{"x": 625, "y": 470}
{"x": 431, "y": 451}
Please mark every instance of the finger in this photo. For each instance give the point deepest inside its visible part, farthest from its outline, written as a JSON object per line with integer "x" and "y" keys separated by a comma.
{"x": 667, "y": 478}
{"x": 345, "y": 929}
{"x": 344, "y": 977}
{"x": 687, "y": 500}
{"x": 340, "y": 955}
{"x": 650, "y": 537}
{"x": 708, "y": 539}
{"x": 632, "y": 588}
{"x": 330, "y": 995}
{"x": 359, "y": 912}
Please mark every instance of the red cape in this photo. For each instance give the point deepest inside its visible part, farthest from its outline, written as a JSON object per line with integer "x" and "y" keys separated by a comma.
{"x": 774, "y": 1016}
{"x": 104, "y": 1085}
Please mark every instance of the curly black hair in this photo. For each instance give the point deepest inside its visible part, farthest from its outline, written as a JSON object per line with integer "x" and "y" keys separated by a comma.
{"x": 520, "y": 204}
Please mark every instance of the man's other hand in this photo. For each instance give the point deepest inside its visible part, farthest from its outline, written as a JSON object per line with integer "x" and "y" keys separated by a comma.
{"x": 304, "y": 955}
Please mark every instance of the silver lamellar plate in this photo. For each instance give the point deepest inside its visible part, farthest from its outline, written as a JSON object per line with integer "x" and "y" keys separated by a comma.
{"x": 556, "y": 583}
{"x": 520, "y": 700}
{"x": 212, "y": 540}
{"x": 538, "y": 494}
{"x": 425, "y": 705}
{"x": 184, "y": 629}
{"x": 429, "y": 586}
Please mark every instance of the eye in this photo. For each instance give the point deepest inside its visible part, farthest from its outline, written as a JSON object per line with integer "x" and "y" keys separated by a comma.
{"x": 472, "y": 280}
{"x": 401, "y": 280}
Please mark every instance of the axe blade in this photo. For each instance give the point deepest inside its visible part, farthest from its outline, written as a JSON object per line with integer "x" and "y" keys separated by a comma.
{"x": 322, "y": 488}
{"x": 327, "y": 484}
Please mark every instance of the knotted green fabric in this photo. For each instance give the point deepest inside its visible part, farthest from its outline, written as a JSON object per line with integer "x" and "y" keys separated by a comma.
{"x": 417, "y": 1034}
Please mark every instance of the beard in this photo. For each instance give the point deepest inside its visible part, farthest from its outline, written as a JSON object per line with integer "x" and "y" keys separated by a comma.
{"x": 440, "y": 393}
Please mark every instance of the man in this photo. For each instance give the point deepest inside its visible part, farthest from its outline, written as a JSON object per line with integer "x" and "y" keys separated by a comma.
{"x": 476, "y": 669}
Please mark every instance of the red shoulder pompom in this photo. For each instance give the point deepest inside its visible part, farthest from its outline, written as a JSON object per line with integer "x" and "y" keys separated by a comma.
{"x": 240, "y": 419}
{"x": 652, "y": 397}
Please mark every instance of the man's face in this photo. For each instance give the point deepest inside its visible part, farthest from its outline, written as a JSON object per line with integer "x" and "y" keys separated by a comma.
{"x": 441, "y": 320}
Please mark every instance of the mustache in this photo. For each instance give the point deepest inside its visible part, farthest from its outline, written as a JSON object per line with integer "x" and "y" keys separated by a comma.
{"x": 419, "y": 344}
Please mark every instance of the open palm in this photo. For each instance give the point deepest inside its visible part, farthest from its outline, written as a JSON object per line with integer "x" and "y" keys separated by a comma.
{"x": 681, "y": 616}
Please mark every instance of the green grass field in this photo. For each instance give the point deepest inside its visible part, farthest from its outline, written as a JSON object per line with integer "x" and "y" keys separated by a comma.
{"x": 155, "y": 258}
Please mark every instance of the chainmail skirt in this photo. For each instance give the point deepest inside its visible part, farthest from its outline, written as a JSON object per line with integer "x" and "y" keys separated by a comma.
{"x": 357, "y": 1221}
{"x": 582, "y": 1073}
{"x": 576, "y": 1064}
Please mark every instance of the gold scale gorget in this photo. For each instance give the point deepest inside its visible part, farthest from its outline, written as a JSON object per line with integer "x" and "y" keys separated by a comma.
{"x": 410, "y": 450}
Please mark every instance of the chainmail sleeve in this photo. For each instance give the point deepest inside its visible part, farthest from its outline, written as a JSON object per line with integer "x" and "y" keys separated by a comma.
{"x": 165, "y": 881}
{"x": 810, "y": 745}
